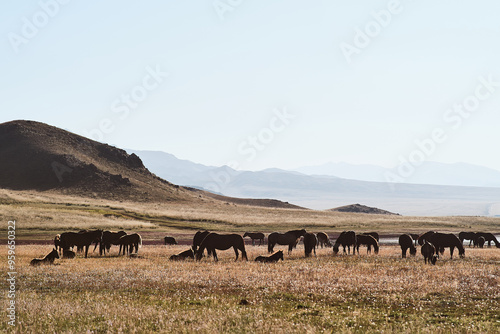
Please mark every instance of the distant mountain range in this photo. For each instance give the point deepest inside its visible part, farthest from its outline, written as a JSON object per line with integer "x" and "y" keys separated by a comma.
{"x": 325, "y": 191}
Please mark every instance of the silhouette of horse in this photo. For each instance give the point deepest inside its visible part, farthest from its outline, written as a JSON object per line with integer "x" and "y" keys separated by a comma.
{"x": 346, "y": 238}
{"x": 467, "y": 236}
{"x": 80, "y": 240}
{"x": 275, "y": 257}
{"x": 215, "y": 241}
{"x": 290, "y": 238}
{"x": 68, "y": 254}
{"x": 369, "y": 241}
{"x": 48, "y": 259}
{"x": 170, "y": 241}
{"x": 129, "y": 242}
{"x": 310, "y": 242}
{"x": 425, "y": 236}
{"x": 489, "y": 237}
{"x": 198, "y": 238}
{"x": 428, "y": 252}
{"x": 406, "y": 242}
{"x": 323, "y": 239}
{"x": 479, "y": 242}
{"x": 109, "y": 238}
{"x": 183, "y": 255}
{"x": 255, "y": 236}
{"x": 442, "y": 240}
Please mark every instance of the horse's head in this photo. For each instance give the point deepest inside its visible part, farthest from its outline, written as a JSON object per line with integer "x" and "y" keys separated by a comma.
{"x": 280, "y": 255}
{"x": 376, "y": 247}
{"x": 245, "y": 235}
{"x": 335, "y": 249}
{"x": 461, "y": 252}
{"x": 413, "y": 250}
{"x": 434, "y": 259}
{"x": 198, "y": 254}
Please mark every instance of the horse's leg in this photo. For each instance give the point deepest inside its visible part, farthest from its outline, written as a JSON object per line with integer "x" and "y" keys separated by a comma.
{"x": 86, "y": 250}
{"x": 290, "y": 247}
{"x": 452, "y": 248}
{"x": 214, "y": 254}
{"x": 236, "y": 252}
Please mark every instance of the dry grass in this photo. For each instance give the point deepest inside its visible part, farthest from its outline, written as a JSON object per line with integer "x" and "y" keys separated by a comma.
{"x": 320, "y": 294}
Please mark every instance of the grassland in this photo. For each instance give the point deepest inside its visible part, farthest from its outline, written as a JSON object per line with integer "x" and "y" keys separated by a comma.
{"x": 326, "y": 293}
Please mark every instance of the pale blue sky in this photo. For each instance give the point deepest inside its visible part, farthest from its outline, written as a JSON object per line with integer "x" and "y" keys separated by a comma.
{"x": 227, "y": 77}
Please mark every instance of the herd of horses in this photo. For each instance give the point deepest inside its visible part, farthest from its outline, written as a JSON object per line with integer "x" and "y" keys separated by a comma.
{"x": 432, "y": 243}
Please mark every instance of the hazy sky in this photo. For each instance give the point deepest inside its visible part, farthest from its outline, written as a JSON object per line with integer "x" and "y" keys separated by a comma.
{"x": 261, "y": 83}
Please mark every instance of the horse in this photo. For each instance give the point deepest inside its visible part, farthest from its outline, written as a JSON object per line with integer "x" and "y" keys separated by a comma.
{"x": 479, "y": 242}
{"x": 68, "y": 254}
{"x": 310, "y": 243}
{"x": 48, "y": 259}
{"x": 369, "y": 241}
{"x": 170, "y": 241}
{"x": 489, "y": 237}
{"x": 323, "y": 239}
{"x": 255, "y": 236}
{"x": 406, "y": 242}
{"x": 290, "y": 238}
{"x": 81, "y": 239}
{"x": 467, "y": 236}
{"x": 421, "y": 239}
{"x": 346, "y": 238}
{"x": 215, "y": 241}
{"x": 129, "y": 242}
{"x": 275, "y": 257}
{"x": 183, "y": 255}
{"x": 429, "y": 253}
{"x": 442, "y": 240}
{"x": 109, "y": 238}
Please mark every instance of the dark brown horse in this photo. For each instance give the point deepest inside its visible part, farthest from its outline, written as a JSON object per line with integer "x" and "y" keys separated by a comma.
{"x": 290, "y": 238}
{"x": 109, "y": 238}
{"x": 129, "y": 242}
{"x": 275, "y": 257}
{"x": 323, "y": 239}
{"x": 346, "y": 239}
{"x": 425, "y": 236}
{"x": 489, "y": 238}
{"x": 255, "y": 236}
{"x": 183, "y": 255}
{"x": 443, "y": 240}
{"x": 406, "y": 242}
{"x": 80, "y": 240}
{"x": 169, "y": 241}
{"x": 467, "y": 236}
{"x": 215, "y": 241}
{"x": 479, "y": 242}
{"x": 428, "y": 252}
{"x": 367, "y": 240}
{"x": 68, "y": 254}
{"x": 48, "y": 259}
{"x": 310, "y": 243}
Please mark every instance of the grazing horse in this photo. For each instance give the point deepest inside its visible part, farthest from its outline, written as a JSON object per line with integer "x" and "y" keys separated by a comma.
{"x": 310, "y": 243}
{"x": 479, "y": 242}
{"x": 275, "y": 257}
{"x": 48, "y": 259}
{"x": 215, "y": 241}
{"x": 489, "y": 237}
{"x": 129, "y": 242}
{"x": 198, "y": 238}
{"x": 421, "y": 239}
{"x": 290, "y": 238}
{"x": 346, "y": 238}
{"x": 406, "y": 242}
{"x": 109, "y": 238}
{"x": 68, "y": 254}
{"x": 467, "y": 236}
{"x": 255, "y": 236}
{"x": 442, "y": 240}
{"x": 369, "y": 241}
{"x": 170, "y": 241}
{"x": 80, "y": 240}
{"x": 429, "y": 252}
{"x": 183, "y": 255}
{"x": 323, "y": 239}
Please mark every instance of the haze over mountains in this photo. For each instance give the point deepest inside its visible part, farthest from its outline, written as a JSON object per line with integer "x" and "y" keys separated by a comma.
{"x": 327, "y": 191}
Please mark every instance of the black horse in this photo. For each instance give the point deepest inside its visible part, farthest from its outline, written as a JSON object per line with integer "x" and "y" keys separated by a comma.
{"x": 81, "y": 239}
{"x": 467, "y": 236}
{"x": 275, "y": 257}
{"x": 183, "y": 255}
{"x": 323, "y": 239}
{"x": 346, "y": 238}
{"x": 368, "y": 241}
{"x": 169, "y": 241}
{"x": 310, "y": 243}
{"x": 290, "y": 238}
{"x": 442, "y": 240}
{"x": 489, "y": 238}
{"x": 48, "y": 259}
{"x": 215, "y": 241}
{"x": 255, "y": 236}
{"x": 429, "y": 252}
{"x": 406, "y": 242}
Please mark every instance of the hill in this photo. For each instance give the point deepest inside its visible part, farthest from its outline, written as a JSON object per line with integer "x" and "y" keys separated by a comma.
{"x": 37, "y": 156}
{"x": 358, "y": 208}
